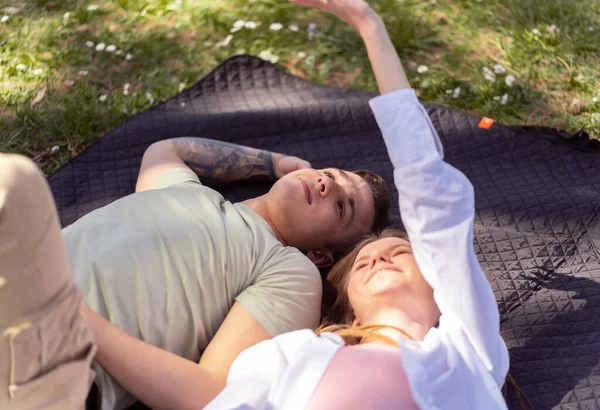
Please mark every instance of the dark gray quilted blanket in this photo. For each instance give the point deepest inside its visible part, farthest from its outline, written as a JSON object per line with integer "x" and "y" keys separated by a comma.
{"x": 537, "y": 202}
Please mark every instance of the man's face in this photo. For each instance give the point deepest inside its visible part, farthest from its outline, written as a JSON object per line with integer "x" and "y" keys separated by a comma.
{"x": 321, "y": 209}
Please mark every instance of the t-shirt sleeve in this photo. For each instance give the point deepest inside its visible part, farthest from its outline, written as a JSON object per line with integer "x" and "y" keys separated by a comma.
{"x": 177, "y": 176}
{"x": 286, "y": 295}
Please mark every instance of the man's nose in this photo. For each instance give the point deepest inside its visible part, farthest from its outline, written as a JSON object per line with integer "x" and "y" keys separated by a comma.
{"x": 326, "y": 185}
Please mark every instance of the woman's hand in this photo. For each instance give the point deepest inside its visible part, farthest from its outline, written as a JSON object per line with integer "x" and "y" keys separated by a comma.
{"x": 353, "y": 12}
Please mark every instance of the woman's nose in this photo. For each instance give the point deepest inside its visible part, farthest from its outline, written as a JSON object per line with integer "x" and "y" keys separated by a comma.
{"x": 377, "y": 257}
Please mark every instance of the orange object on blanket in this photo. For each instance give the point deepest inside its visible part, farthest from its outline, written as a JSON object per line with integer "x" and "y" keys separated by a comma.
{"x": 486, "y": 123}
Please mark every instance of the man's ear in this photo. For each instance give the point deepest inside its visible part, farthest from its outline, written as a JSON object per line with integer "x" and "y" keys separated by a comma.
{"x": 355, "y": 322}
{"x": 323, "y": 258}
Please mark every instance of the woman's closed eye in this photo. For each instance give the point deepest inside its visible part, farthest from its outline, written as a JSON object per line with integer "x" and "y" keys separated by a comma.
{"x": 401, "y": 250}
{"x": 330, "y": 175}
{"x": 360, "y": 266}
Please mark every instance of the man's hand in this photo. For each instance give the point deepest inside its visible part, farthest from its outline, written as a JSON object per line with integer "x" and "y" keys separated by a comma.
{"x": 285, "y": 164}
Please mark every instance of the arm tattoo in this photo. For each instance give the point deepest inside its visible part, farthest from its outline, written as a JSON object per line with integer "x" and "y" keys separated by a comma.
{"x": 218, "y": 162}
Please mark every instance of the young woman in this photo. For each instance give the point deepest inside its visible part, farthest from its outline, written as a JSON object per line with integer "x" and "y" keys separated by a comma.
{"x": 416, "y": 322}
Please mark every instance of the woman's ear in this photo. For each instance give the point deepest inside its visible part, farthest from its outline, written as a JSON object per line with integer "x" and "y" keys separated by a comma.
{"x": 322, "y": 259}
{"x": 355, "y": 322}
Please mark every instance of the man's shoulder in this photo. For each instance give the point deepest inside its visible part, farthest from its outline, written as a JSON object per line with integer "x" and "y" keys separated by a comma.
{"x": 289, "y": 260}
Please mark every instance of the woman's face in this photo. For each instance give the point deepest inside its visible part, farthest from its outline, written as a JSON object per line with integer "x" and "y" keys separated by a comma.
{"x": 385, "y": 275}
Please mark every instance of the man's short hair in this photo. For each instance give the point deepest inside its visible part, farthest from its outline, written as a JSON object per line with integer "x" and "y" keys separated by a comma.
{"x": 381, "y": 197}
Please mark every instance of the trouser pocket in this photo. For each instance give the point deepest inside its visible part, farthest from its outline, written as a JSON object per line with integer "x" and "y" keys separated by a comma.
{"x": 50, "y": 356}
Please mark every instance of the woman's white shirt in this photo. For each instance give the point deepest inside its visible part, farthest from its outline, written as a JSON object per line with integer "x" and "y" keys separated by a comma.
{"x": 459, "y": 365}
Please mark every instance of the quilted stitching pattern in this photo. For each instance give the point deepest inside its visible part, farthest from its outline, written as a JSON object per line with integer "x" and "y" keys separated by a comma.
{"x": 536, "y": 223}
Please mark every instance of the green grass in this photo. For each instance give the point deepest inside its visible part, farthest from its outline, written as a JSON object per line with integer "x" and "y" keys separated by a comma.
{"x": 174, "y": 43}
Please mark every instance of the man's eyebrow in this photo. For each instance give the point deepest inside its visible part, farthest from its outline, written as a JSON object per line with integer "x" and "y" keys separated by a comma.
{"x": 351, "y": 200}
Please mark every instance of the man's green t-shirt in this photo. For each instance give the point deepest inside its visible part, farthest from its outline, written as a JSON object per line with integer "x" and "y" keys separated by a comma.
{"x": 166, "y": 265}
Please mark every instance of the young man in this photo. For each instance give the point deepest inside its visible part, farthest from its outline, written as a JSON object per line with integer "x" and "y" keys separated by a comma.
{"x": 177, "y": 266}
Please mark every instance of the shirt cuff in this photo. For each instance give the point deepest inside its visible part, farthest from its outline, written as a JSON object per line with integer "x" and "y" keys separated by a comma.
{"x": 406, "y": 128}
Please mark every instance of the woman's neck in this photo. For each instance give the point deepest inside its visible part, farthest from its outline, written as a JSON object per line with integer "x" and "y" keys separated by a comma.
{"x": 397, "y": 319}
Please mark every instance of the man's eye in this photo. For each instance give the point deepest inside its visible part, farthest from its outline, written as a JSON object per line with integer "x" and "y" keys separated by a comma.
{"x": 341, "y": 208}
{"x": 329, "y": 174}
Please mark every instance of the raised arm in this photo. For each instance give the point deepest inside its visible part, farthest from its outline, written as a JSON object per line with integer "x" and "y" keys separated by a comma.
{"x": 436, "y": 200}
{"x": 215, "y": 162}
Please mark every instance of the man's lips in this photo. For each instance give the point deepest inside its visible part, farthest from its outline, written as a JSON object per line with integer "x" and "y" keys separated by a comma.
{"x": 307, "y": 191}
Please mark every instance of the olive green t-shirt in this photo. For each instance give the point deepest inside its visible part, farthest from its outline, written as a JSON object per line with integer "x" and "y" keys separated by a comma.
{"x": 166, "y": 265}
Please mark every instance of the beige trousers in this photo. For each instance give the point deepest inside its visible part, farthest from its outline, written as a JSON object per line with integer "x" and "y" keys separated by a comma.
{"x": 46, "y": 348}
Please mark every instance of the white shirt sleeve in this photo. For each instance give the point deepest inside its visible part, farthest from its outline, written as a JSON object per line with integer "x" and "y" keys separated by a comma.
{"x": 437, "y": 208}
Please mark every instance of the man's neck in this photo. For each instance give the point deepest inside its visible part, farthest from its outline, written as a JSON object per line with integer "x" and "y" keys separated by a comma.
{"x": 259, "y": 205}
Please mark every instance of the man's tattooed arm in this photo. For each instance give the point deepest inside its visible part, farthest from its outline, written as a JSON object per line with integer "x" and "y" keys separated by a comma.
{"x": 218, "y": 162}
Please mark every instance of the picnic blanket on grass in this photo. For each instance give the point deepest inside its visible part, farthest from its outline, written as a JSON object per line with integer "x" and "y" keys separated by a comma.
{"x": 537, "y": 198}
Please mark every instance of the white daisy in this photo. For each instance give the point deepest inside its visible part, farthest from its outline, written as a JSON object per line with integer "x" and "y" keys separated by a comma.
{"x": 275, "y": 26}
{"x": 424, "y": 84}
{"x": 448, "y": 91}
{"x": 499, "y": 69}
{"x": 250, "y": 24}
{"x": 456, "y": 93}
{"x": 227, "y": 40}
{"x": 38, "y": 71}
{"x": 102, "y": 98}
{"x": 590, "y": 28}
{"x": 312, "y": 31}
{"x": 100, "y": 46}
{"x": 496, "y": 98}
{"x": 237, "y": 26}
{"x": 268, "y": 56}
{"x": 92, "y": 7}
{"x": 128, "y": 57}
{"x": 126, "y": 89}
{"x": 504, "y": 99}
{"x": 83, "y": 72}
{"x": 21, "y": 67}
{"x": 510, "y": 80}
{"x": 89, "y": 43}
{"x": 536, "y": 32}
{"x": 301, "y": 54}
{"x": 489, "y": 74}
{"x": 54, "y": 148}
{"x": 111, "y": 48}
{"x": 293, "y": 28}
{"x": 4, "y": 19}
{"x": 422, "y": 69}
{"x": 595, "y": 99}
{"x": 150, "y": 98}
